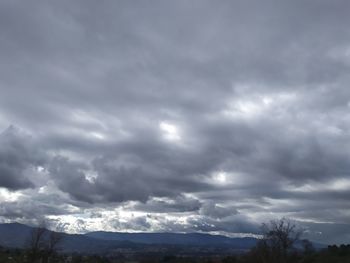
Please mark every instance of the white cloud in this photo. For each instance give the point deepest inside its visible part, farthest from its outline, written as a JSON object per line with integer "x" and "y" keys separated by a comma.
{"x": 170, "y": 131}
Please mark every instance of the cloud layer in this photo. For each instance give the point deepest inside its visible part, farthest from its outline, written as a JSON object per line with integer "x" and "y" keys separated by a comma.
{"x": 176, "y": 115}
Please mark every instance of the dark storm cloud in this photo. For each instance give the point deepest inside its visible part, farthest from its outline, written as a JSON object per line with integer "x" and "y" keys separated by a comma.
{"x": 215, "y": 211}
{"x": 112, "y": 181}
{"x": 18, "y": 159}
{"x": 178, "y": 204}
{"x": 223, "y": 110}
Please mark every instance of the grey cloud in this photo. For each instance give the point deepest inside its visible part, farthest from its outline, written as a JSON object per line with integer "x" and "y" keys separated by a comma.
{"x": 18, "y": 158}
{"x": 24, "y": 212}
{"x": 233, "y": 224}
{"x": 118, "y": 182}
{"x": 179, "y": 204}
{"x": 215, "y": 211}
{"x": 33, "y": 207}
{"x": 138, "y": 223}
{"x": 70, "y": 177}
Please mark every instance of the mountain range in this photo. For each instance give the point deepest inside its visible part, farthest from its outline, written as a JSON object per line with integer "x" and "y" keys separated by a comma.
{"x": 15, "y": 235}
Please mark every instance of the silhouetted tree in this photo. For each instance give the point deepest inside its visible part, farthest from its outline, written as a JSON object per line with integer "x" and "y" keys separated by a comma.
{"x": 36, "y": 242}
{"x": 279, "y": 238}
{"x": 230, "y": 259}
{"x": 50, "y": 246}
{"x": 307, "y": 246}
{"x": 43, "y": 243}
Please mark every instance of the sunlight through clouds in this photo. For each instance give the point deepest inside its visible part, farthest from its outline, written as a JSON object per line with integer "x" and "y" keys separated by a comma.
{"x": 170, "y": 131}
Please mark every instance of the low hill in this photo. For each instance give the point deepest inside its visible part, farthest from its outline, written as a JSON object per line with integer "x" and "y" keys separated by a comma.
{"x": 16, "y": 235}
{"x": 192, "y": 239}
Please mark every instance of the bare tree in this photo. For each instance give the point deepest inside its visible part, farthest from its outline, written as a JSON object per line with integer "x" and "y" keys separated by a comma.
{"x": 279, "y": 239}
{"x": 54, "y": 240}
{"x": 308, "y": 247}
{"x": 43, "y": 243}
{"x": 36, "y": 242}
{"x": 281, "y": 234}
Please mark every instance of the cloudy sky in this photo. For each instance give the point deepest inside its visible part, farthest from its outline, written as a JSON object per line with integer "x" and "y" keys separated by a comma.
{"x": 179, "y": 116}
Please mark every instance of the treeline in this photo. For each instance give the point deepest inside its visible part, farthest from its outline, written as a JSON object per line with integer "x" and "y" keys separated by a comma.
{"x": 332, "y": 254}
{"x": 25, "y": 256}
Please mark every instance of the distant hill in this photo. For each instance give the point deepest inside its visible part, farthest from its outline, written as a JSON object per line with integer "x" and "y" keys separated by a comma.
{"x": 16, "y": 235}
{"x": 192, "y": 239}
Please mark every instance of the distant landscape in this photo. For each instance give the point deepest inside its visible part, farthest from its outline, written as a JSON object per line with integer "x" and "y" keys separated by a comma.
{"x": 18, "y": 243}
{"x": 16, "y": 236}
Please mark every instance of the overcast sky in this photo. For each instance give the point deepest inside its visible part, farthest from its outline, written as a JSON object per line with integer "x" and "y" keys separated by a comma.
{"x": 177, "y": 116}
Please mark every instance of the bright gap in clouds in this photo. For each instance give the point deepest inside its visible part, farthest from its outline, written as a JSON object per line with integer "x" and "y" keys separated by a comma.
{"x": 170, "y": 131}
{"x": 97, "y": 135}
{"x": 258, "y": 106}
{"x": 219, "y": 178}
{"x": 8, "y": 196}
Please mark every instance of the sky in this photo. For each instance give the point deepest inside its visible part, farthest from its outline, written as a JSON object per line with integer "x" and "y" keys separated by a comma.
{"x": 176, "y": 116}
